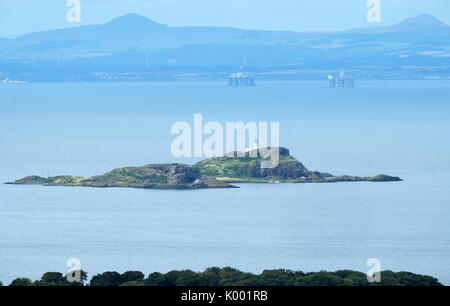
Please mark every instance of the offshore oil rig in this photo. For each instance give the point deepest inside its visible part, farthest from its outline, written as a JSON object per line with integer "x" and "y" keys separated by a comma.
{"x": 241, "y": 78}
{"x": 340, "y": 81}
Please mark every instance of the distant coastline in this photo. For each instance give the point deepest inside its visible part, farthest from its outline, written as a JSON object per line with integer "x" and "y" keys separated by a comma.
{"x": 133, "y": 48}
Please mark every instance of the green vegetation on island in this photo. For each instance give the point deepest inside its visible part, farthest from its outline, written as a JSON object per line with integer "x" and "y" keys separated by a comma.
{"x": 247, "y": 169}
{"x": 233, "y": 277}
{"x": 210, "y": 173}
{"x": 163, "y": 176}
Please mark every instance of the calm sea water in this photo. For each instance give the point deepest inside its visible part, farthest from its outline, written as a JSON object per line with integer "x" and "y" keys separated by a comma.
{"x": 396, "y": 128}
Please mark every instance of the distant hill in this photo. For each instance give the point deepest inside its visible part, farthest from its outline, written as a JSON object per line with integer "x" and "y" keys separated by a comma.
{"x": 419, "y": 26}
{"x": 135, "y": 43}
{"x": 422, "y": 22}
{"x": 137, "y": 31}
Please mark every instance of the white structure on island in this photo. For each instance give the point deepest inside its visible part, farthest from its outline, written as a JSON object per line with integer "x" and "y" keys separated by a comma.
{"x": 255, "y": 147}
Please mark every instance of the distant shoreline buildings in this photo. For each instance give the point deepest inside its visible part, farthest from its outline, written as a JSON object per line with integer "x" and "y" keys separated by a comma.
{"x": 7, "y": 80}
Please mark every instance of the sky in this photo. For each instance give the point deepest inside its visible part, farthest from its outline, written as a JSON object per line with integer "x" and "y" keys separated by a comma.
{"x": 24, "y": 16}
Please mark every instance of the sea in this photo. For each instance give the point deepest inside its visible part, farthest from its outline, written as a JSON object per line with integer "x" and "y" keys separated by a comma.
{"x": 398, "y": 128}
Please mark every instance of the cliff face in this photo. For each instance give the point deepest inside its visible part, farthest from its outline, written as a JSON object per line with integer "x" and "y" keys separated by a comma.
{"x": 210, "y": 173}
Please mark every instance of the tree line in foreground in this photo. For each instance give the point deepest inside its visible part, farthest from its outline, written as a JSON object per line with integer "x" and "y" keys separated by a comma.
{"x": 232, "y": 277}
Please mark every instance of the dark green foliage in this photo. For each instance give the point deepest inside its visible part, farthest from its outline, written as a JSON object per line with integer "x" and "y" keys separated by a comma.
{"x": 188, "y": 278}
{"x": 132, "y": 276}
{"x": 232, "y": 277}
{"x": 107, "y": 279}
{"x": 389, "y": 278}
{"x": 277, "y": 278}
{"x": 21, "y": 282}
{"x": 410, "y": 279}
{"x": 320, "y": 279}
{"x": 211, "y": 277}
{"x": 172, "y": 276}
{"x": 239, "y": 279}
{"x": 133, "y": 284}
{"x": 83, "y": 279}
{"x": 53, "y": 278}
{"x": 57, "y": 279}
{"x": 352, "y": 278}
{"x": 155, "y": 279}
{"x": 129, "y": 278}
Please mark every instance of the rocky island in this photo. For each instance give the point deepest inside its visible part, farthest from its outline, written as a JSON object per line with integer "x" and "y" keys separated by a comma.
{"x": 210, "y": 173}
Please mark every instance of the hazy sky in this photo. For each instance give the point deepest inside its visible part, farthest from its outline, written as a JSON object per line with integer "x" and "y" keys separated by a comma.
{"x": 23, "y": 16}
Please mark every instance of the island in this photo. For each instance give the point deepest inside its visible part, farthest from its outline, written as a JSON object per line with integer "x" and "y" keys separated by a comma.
{"x": 221, "y": 172}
